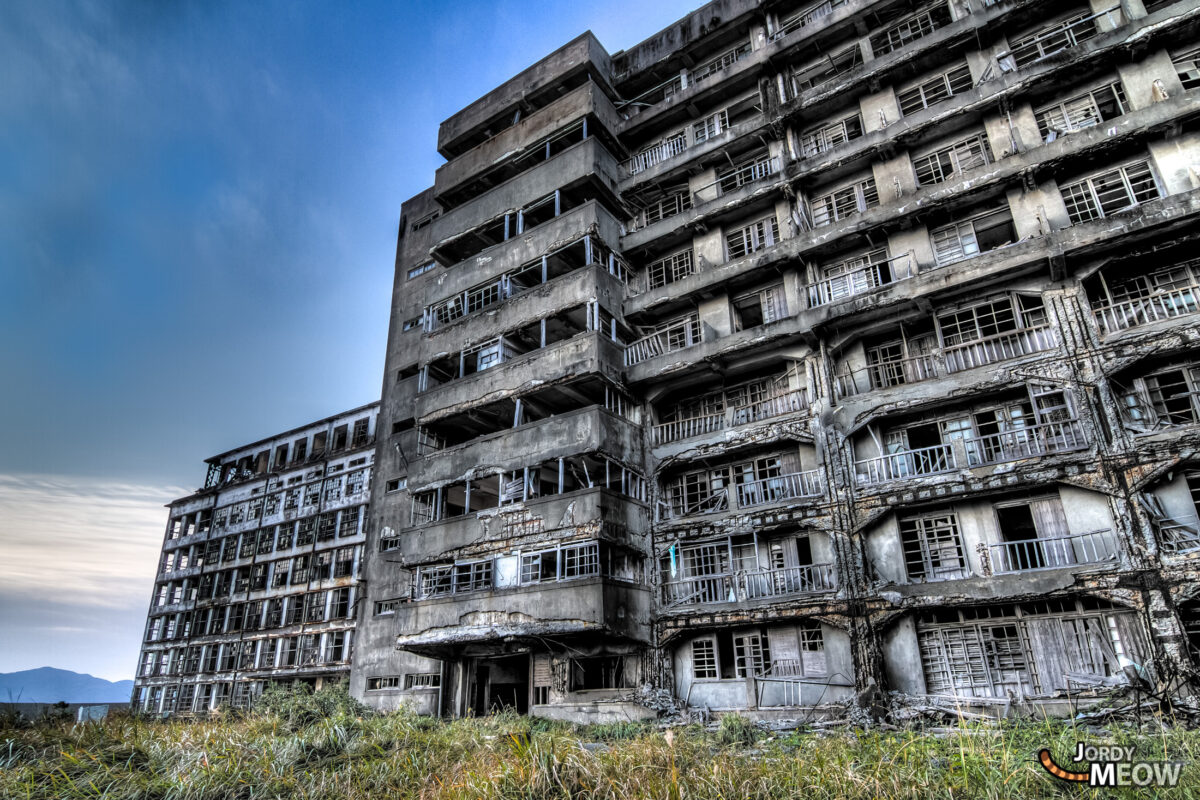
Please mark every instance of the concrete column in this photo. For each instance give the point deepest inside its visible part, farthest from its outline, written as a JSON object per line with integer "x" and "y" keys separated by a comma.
{"x": 1145, "y": 81}
{"x": 879, "y": 109}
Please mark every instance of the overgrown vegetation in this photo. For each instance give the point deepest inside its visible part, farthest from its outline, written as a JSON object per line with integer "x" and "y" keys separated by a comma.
{"x": 323, "y": 745}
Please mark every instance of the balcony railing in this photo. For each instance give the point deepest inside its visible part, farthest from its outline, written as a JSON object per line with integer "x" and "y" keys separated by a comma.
{"x": 1094, "y": 547}
{"x": 906, "y": 464}
{"x": 860, "y": 281}
{"x": 999, "y": 347}
{"x": 747, "y": 585}
{"x": 792, "y": 401}
{"x": 736, "y": 178}
{"x": 686, "y": 428}
{"x": 1034, "y": 440}
{"x": 783, "y": 487}
{"x": 945, "y": 361}
{"x": 673, "y": 338}
{"x": 1144, "y": 310}
{"x": 664, "y": 150}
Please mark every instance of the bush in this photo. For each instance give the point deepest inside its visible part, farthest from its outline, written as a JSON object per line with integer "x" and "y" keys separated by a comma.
{"x": 736, "y": 729}
{"x": 297, "y": 705}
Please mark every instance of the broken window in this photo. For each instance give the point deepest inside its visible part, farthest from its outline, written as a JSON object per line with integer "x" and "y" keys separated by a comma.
{"x": 726, "y": 59}
{"x": 670, "y": 269}
{"x": 806, "y": 16}
{"x": 1031, "y": 649}
{"x": 747, "y": 170}
{"x": 826, "y": 68}
{"x": 910, "y": 29}
{"x": 951, "y": 160}
{"x": 704, "y": 659}
{"x": 1187, "y": 66}
{"x": 933, "y": 547}
{"x": 984, "y": 232}
{"x": 422, "y": 680}
{"x": 848, "y": 201}
{"x": 752, "y": 238}
{"x": 855, "y": 275}
{"x": 931, "y": 91}
{"x": 1060, "y": 35}
{"x": 1174, "y": 395}
{"x": 599, "y": 672}
{"x": 752, "y": 654}
{"x": 349, "y": 521}
{"x": 1110, "y": 192}
{"x": 826, "y": 137}
{"x": 672, "y": 203}
{"x": 761, "y": 307}
{"x": 1081, "y": 111}
{"x": 339, "y": 607}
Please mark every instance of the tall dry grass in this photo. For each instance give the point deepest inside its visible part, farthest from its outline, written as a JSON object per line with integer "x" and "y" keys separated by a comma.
{"x": 353, "y": 756}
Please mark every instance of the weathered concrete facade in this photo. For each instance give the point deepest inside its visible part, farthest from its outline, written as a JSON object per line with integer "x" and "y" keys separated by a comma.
{"x": 798, "y": 347}
{"x": 259, "y": 575}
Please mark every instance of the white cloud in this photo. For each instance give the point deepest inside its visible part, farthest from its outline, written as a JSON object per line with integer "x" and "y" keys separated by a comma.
{"x": 84, "y": 541}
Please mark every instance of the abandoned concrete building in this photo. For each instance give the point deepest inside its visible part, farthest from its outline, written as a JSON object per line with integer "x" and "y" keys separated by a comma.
{"x": 259, "y": 574}
{"x": 799, "y": 348}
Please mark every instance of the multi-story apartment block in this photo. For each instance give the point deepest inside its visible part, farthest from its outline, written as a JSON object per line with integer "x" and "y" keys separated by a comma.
{"x": 260, "y": 569}
{"x": 799, "y": 347}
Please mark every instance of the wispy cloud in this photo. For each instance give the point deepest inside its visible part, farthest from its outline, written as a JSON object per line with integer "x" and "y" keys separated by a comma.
{"x": 77, "y": 563}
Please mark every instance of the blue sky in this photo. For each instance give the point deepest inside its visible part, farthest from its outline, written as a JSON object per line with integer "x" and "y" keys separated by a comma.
{"x": 198, "y": 210}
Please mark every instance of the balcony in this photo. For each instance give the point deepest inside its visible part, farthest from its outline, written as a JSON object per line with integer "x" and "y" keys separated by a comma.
{"x": 750, "y": 585}
{"x": 1019, "y": 443}
{"x": 588, "y": 606}
{"x": 1116, "y": 317}
{"x": 671, "y": 339}
{"x": 935, "y": 460}
{"x": 777, "y": 405}
{"x": 1077, "y": 549}
{"x": 945, "y": 361}
{"x": 999, "y": 347}
{"x": 764, "y": 491}
{"x": 861, "y": 281}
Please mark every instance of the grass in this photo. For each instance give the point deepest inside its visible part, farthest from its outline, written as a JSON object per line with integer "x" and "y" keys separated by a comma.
{"x": 350, "y": 755}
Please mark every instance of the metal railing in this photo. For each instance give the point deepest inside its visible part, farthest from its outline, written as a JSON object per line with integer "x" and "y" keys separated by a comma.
{"x": 1094, "y": 547}
{"x": 906, "y": 464}
{"x": 734, "y": 179}
{"x": 744, "y": 585}
{"x": 1034, "y": 440}
{"x": 667, "y": 148}
{"x": 686, "y": 428}
{"x": 1144, "y": 310}
{"x": 774, "y": 406}
{"x": 999, "y": 347}
{"x": 783, "y": 487}
{"x": 886, "y": 373}
{"x": 788, "y": 402}
{"x": 679, "y": 336}
{"x": 859, "y": 281}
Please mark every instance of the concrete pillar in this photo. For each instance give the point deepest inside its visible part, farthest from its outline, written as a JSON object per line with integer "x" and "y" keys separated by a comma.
{"x": 879, "y": 109}
{"x": 1176, "y": 162}
{"x": 1145, "y": 81}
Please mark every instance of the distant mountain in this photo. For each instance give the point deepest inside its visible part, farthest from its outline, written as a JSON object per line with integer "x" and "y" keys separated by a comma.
{"x": 49, "y": 685}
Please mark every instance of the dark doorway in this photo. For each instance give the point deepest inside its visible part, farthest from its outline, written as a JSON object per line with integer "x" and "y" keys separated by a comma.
{"x": 1023, "y": 551}
{"x": 501, "y": 683}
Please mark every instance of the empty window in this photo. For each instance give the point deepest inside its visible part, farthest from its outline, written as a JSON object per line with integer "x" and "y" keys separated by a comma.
{"x": 422, "y": 680}
{"x": 932, "y": 91}
{"x": 932, "y": 547}
{"x": 951, "y": 160}
{"x": 760, "y": 308}
{"x": 421, "y": 269}
{"x": 752, "y": 238}
{"x": 671, "y": 268}
{"x": 844, "y": 202}
{"x": 910, "y": 29}
{"x": 1187, "y": 65}
{"x": 599, "y": 672}
{"x": 829, "y": 136}
{"x": 971, "y": 237}
{"x": 704, "y": 659}
{"x": 1081, "y": 111}
{"x": 1110, "y": 192}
